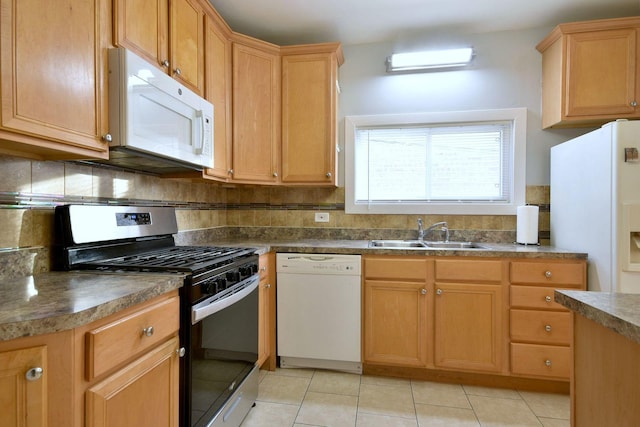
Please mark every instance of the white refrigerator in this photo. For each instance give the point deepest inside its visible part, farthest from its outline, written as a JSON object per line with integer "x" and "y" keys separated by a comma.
{"x": 595, "y": 203}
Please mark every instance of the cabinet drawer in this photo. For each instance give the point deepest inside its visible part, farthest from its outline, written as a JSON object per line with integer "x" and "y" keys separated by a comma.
{"x": 548, "y": 273}
{"x": 549, "y": 361}
{"x": 547, "y": 327}
{"x": 469, "y": 270}
{"x": 395, "y": 268}
{"x": 115, "y": 342}
{"x": 539, "y": 297}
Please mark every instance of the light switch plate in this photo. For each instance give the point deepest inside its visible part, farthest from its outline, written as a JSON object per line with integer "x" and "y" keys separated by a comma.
{"x": 322, "y": 216}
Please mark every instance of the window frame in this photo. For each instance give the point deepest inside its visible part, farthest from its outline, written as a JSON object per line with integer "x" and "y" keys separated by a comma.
{"x": 518, "y": 158}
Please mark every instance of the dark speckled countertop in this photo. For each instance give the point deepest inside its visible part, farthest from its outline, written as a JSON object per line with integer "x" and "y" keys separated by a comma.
{"x": 57, "y": 301}
{"x": 616, "y": 311}
{"x": 362, "y": 247}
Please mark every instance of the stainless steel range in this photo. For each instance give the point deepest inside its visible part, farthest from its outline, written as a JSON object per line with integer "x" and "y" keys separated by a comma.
{"x": 219, "y": 299}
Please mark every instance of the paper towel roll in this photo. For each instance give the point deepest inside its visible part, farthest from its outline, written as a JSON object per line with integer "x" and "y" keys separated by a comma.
{"x": 527, "y": 225}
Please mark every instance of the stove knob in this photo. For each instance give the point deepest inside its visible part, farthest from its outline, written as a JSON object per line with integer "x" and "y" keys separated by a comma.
{"x": 221, "y": 284}
{"x": 233, "y": 276}
{"x": 208, "y": 288}
{"x": 254, "y": 268}
{"x": 245, "y": 271}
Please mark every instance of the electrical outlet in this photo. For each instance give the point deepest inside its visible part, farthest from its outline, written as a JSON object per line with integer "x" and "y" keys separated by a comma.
{"x": 322, "y": 216}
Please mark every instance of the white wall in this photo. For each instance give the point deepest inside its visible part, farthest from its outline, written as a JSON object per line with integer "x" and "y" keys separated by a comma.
{"x": 505, "y": 73}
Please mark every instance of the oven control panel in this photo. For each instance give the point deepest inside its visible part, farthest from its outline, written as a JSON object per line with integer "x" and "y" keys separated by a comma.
{"x": 132, "y": 218}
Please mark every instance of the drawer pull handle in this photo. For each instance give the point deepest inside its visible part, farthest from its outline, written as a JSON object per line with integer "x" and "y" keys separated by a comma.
{"x": 547, "y": 362}
{"x": 34, "y": 374}
{"x": 547, "y": 328}
{"x": 148, "y": 332}
{"x": 547, "y": 298}
{"x": 547, "y": 274}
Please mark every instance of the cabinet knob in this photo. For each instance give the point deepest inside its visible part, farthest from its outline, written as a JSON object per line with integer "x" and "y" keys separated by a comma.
{"x": 148, "y": 332}
{"x": 107, "y": 137}
{"x": 634, "y": 103}
{"x": 547, "y": 328}
{"x": 268, "y": 286}
{"x": 547, "y": 298}
{"x": 423, "y": 291}
{"x": 165, "y": 63}
{"x": 263, "y": 268}
{"x": 230, "y": 171}
{"x": 547, "y": 274}
{"x": 439, "y": 291}
{"x": 275, "y": 174}
{"x": 177, "y": 71}
{"x": 181, "y": 352}
{"x": 329, "y": 175}
{"x": 34, "y": 374}
{"x": 547, "y": 362}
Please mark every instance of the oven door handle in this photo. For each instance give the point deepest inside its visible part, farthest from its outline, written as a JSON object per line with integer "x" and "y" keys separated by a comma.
{"x": 203, "y": 310}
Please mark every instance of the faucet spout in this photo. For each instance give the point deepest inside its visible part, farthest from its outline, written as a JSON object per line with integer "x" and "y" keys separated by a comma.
{"x": 439, "y": 226}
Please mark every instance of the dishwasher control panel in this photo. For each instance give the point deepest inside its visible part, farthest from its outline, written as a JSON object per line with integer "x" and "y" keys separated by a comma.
{"x": 318, "y": 264}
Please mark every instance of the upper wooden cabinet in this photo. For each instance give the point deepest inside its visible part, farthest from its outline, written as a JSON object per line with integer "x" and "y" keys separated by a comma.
{"x": 167, "y": 33}
{"x": 309, "y": 113}
{"x": 53, "y": 69}
{"x": 590, "y": 73}
{"x": 256, "y": 111}
{"x": 217, "y": 42}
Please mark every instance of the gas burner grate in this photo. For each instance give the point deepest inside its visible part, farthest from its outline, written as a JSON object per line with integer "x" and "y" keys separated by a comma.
{"x": 174, "y": 257}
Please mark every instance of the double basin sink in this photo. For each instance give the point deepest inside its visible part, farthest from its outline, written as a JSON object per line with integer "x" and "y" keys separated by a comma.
{"x": 419, "y": 244}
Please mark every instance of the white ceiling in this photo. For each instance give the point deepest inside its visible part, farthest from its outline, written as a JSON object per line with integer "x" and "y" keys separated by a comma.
{"x": 373, "y": 21}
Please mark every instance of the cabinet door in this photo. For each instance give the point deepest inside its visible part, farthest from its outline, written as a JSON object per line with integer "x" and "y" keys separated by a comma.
{"x": 187, "y": 43}
{"x": 23, "y": 402}
{"x": 468, "y": 327}
{"x": 256, "y": 114}
{"x": 602, "y": 73}
{"x": 218, "y": 92}
{"x": 395, "y": 325}
{"x": 144, "y": 393}
{"x": 142, "y": 26}
{"x": 53, "y": 75}
{"x": 264, "y": 300}
{"x": 309, "y": 99}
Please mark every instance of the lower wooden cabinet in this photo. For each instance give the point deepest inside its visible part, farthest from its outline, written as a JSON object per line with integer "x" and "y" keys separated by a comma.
{"x": 35, "y": 381}
{"x": 395, "y": 311}
{"x": 468, "y": 323}
{"x": 469, "y": 315}
{"x": 542, "y": 330}
{"x": 143, "y": 393}
{"x": 23, "y": 387}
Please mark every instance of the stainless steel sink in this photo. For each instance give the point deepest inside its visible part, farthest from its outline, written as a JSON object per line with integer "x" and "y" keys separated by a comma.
{"x": 400, "y": 244}
{"x": 417, "y": 244}
{"x": 453, "y": 245}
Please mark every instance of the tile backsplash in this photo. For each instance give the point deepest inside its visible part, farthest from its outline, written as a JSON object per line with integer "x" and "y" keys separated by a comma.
{"x": 29, "y": 190}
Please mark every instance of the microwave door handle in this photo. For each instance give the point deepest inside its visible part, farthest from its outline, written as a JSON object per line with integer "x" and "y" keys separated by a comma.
{"x": 199, "y": 143}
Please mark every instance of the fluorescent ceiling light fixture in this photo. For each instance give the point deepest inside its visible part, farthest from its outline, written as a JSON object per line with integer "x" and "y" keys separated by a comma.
{"x": 430, "y": 59}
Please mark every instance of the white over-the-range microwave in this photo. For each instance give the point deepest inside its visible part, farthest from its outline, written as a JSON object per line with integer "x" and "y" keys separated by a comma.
{"x": 156, "y": 124}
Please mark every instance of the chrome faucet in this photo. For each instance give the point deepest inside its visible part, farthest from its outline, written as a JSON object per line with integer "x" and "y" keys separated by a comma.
{"x": 420, "y": 230}
{"x": 441, "y": 225}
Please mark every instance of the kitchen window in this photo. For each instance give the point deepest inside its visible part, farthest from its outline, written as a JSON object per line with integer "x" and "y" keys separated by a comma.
{"x": 469, "y": 162}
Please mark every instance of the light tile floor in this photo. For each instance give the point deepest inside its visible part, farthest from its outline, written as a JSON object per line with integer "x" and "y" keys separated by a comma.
{"x": 307, "y": 397}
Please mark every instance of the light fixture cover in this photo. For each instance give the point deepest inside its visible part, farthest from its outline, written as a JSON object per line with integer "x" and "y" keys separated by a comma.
{"x": 425, "y": 60}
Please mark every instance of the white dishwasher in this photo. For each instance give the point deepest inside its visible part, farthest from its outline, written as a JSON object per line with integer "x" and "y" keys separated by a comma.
{"x": 318, "y": 311}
